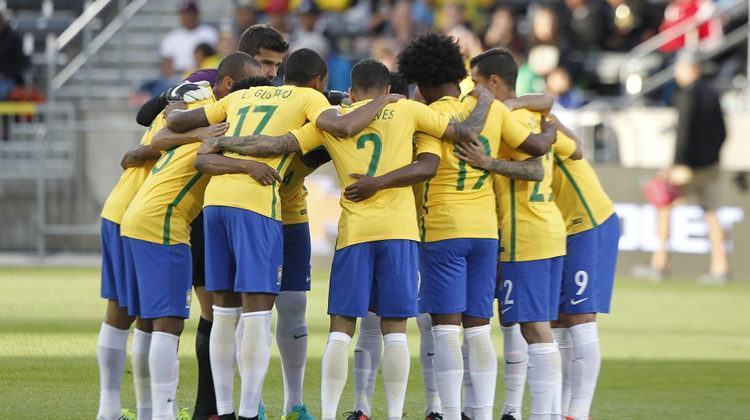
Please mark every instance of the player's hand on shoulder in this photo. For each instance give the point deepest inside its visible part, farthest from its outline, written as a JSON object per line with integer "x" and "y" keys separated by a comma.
{"x": 172, "y": 106}
{"x": 363, "y": 188}
{"x": 213, "y": 130}
{"x": 480, "y": 91}
{"x": 549, "y": 127}
{"x": 261, "y": 173}
{"x": 394, "y": 97}
{"x": 472, "y": 153}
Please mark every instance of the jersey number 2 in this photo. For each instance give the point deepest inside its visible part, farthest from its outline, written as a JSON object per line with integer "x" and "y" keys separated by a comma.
{"x": 377, "y": 148}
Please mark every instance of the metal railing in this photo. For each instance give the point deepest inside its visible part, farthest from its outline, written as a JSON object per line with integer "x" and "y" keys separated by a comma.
{"x": 688, "y": 29}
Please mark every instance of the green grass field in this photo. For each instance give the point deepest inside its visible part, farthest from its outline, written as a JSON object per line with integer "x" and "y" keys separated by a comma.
{"x": 673, "y": 350}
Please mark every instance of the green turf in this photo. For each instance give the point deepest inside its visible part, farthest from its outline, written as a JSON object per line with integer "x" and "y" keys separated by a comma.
{"x": 673, "y": 350}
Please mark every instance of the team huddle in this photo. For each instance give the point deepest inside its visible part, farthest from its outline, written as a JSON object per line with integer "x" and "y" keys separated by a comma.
{"x": 460, "y": 196}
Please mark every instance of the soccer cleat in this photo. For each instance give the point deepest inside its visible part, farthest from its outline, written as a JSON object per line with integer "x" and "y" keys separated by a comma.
{"x": 709, "y": 279}
{"x": 229, "y": 416}
{"x": 434, "y": 416}
{"x": 356, "y": 415}
{"x": 261, "y": 412}
{"x": 650, "y": 273}
{"x": 508, "y": 417}
{"x": 465, "y": 417}
{"x": 299, "y": 412}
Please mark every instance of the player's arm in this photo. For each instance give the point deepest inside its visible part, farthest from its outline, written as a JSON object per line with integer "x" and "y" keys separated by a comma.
{"x": 181, "y": 121}
{"x": 139, "y": 155}
{"x": 578, "y": 154}
{"x": 256, "y": 145}
{"x": 166, "y": 139}
{"x": 349, "y": 124}
{"x": 537, "y": 144}
{"x": 525, "y": 170}
{"x": 215, "y": 164}
{"x": 533, "y": 102}
{"x": 468, "y": 130}
{"x": 421, "y": 170}
{"x": 151, "y": 109}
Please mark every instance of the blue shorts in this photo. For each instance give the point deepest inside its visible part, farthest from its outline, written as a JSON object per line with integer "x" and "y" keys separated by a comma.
{"x": 244, "y": 251}
{"x": 296, "y": 274}
{"x": 159, "y": 279}
{"x": 458, "y": 276}
{"x": 529, "y": 291}
{"x": 381, "y": 275}
{"x": 589, "y": 269}
{"x": 114, "y": 286}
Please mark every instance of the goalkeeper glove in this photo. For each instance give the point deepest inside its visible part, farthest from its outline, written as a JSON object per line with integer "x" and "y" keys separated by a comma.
{"x": 188, "y": 92}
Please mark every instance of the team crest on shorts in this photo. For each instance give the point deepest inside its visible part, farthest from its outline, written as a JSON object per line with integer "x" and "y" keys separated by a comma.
{"x": 188, "y": 298}
{"x": 279, "y": 272}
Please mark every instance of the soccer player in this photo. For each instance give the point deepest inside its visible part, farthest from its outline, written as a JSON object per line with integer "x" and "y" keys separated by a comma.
{"x": 531, "y": 252}
{"x": 241, "y": 215}
{"x": 593, "y": 230}
{"x": 380, "y": 258}
{"x": 459, "y": 249}
{"x": 155, "y": 231}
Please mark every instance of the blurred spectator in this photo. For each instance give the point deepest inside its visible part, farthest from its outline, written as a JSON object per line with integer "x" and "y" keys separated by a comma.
{"x": 700, "y": 135}
{"x": 244, "y": 16}
{"x": 547, "y": 47}
{"x": 155, "y": 87}
{"x": 227, "y": 43}
{"x": 309, "y": 32}
{"x": 468, "y": 41}
{"x": 631, "y": 23}
{"x": 678, "y": 11}
{"x": 179, "y": 44}
{"x": 401, "y": 25}
{"x": 585, "y": 23}
{"x": 276, "y": 11}
{"x": 206, "y": 57}
{"x": 386, "y": 51}
{"x": 560, "y": 86}
{"x": 452, "y": 15}
{"x": 13, "y": 62}
{"x": 503, "y": 32}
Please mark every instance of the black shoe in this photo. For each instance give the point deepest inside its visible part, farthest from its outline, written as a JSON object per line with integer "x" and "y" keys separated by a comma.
{"x": 508, "y": 417}
{"x": 434, "y": 416}
{"x": 465, "y": 417}
{"x": 247, "y": 418}
{"x": 229, "y": 416}
{"x": 356, "y": 415}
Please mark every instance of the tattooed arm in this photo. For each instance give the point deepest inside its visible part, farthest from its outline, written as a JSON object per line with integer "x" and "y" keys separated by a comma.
{"x": 257, "y": 145}
{"x": 527, "y": 170}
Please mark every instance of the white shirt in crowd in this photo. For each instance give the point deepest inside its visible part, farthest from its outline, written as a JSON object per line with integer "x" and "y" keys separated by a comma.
{"x": 180, "y": 43}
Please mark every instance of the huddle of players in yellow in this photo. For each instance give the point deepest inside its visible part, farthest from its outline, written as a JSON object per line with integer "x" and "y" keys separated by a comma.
{"x": 448, "y": 175}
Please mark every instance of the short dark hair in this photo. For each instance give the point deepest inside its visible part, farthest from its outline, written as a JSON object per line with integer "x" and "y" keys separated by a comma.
{"x": 398, "y": 85}
{"x": 206, "y": 49}
{"x": 304, "y": 65}
{"x": 234, "y": 65}
{"x": 262, "y": 36}
{"x": 370, "y": 74}
{"x": 251, "y": 81}
{"x": 498, "y": 61}
{"x": 432, "y": 60}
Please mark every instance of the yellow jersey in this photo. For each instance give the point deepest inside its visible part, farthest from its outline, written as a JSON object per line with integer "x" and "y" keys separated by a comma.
{"x": 579, "y": 195}
{"x": 131, "y": 179}
{"x": 385, "y": 145}
{"x": 269, "y": 110}
{"x": 170, "y": 198}
{"x": 531, "y": 226}
{"x": 293, "y": 192}
{"x": 458, "y": 201}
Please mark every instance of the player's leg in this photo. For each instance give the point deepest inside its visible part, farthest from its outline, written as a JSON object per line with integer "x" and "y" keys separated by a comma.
{"x": 164, "y": 277}
{"x": 112, "y": 343}
{"x": 291, "y": 325}
{"x": 226, "y": 306}
{"x": 258, "y": 245}
{"x": 348, "y": 299}
{"x": 719, "y": 268}
{"x": 395, "y": 297}
{"x": 515, "y": 350}
{"x": 565, "y": 346}
{"x": 426, "y": 354}
{"x": 530, "y": 300}
{"x": 480, "y": 293}
{"x": 443, "y": 295}
{"x": 367, "y": 354}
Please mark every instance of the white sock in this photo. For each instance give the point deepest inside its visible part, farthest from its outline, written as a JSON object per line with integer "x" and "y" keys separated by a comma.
{"x": 255, "y": 354}
{"x": 238, "y": 333}
{"x": 367, "y": 353}
{"x": 139, "y": 352}
{"x": 449, "y": 368}
{"x": 162, "y": 360}
{"x": 111, "y": 351}
{"x": 335, "y": 369}
{"x": 426, "y": 353}
{"x": 222, "y": 352}
{"x": 587, "y": 360}
{"x": 291, "y": 337}
{"x": 515, "y": 355}
{"x": 482, "y": 367}
{"x": 564, "y": 343}
{"x": 395, "y": 370}
{"x": 469, "y": 403}
{"x": 545, "y": 379}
